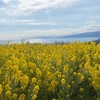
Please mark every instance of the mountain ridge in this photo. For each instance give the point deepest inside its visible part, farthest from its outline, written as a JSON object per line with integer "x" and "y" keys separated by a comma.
{"x": 79, "y": 35}
{"x": 85, "y": 34}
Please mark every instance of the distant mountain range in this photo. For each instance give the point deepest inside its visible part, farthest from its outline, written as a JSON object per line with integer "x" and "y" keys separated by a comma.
{"x": 86, "y": 34}
{"x": 81, "y": 35}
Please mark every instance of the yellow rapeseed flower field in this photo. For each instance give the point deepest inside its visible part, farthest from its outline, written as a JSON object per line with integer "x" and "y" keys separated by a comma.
{"x": 50, "y": 71}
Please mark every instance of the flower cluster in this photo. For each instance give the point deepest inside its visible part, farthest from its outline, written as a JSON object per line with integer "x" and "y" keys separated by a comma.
{"x": 50, "y": 71}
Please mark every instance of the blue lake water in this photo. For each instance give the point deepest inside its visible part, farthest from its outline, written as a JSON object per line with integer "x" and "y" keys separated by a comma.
{"x": 52, "y": 40}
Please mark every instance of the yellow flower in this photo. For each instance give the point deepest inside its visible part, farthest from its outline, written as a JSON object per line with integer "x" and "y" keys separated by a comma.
{"x": 96, "y": 82}
{"x": 9, "y": 64}
{"x": 34, "y": 97}
{"x": 63, "y": 76}
{"x": 7, "y": 87}
{"x": 54, "y": 83}
{"x": 68, "y": 86}
{"x": 15, "y": 68}
{"x": 18, "y": 74}
{"x": 71, "y": 70}
{"x": 66, "y": 68}
{"x": 15, "y": 61}
{"x": 22, "y": 97}
{"x": 50, "y": 89}
{"x": 98, "y": 98}
{"x": 73, "y": 59}
{"x": 49, "y": 75}
{"x": 0, "y": 71}
{"x": 63, "y": 81}
{"x": 36, "y": 88}
{"x": 34, "y": 80}
{"x": 8, "y": 93}
{"x": 21, "y": 55}
{"x": 73, "y": 82}
{"x": 97, "y": 73}
{"x": 32, "y": 65}
{"x": 82, "y": 77}
{"x": 15, "y": 96}
{"x": 31, "y": 71}
{"x": 34, "y": 68}
{"x": 39, "y": 82}
{"x": 0, "y": 88}
{"x": 80, "y": 66}
{"x": 24, "y": 80}
{"x": 38, "y": 72}
{"x": 79, "y": 74}
{"x": 75, "y": 73}
{"x": 23, "y": 63}
{"x": 81, "y": 89}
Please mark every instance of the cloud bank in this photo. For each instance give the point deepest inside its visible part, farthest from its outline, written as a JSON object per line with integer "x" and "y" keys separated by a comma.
{"x": 51, "y": 18}
{"x": 25, "y": 22}
{"x": 50, "y": 33}
{"x": 29, "y": 6}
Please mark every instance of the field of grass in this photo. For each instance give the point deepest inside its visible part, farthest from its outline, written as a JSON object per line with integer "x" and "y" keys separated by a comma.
{"x": 50, "y": 71}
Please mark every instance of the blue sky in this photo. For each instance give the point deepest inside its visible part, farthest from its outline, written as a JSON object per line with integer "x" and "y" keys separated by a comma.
{"x": 35, "y": 18}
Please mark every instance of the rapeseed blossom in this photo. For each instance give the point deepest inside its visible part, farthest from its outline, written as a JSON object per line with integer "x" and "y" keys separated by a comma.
{"x": 22, "y": 97}
{"x": 50, "y": 71}
{"x": 63, "y": 81}
{"x": 0, "y": 89}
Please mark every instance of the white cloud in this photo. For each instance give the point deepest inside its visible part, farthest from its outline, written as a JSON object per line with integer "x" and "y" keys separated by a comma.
{"x": 29, "y": 6}
{"x": 6, "y": 1}
{"x": 35, "y": 5}
{"x": 42, "y": 23}
{"x": 49, "y": 33}
{"x": 24, "y": 21}
{"x": 16, "y": 21}
{"x": 98, "y": 16}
